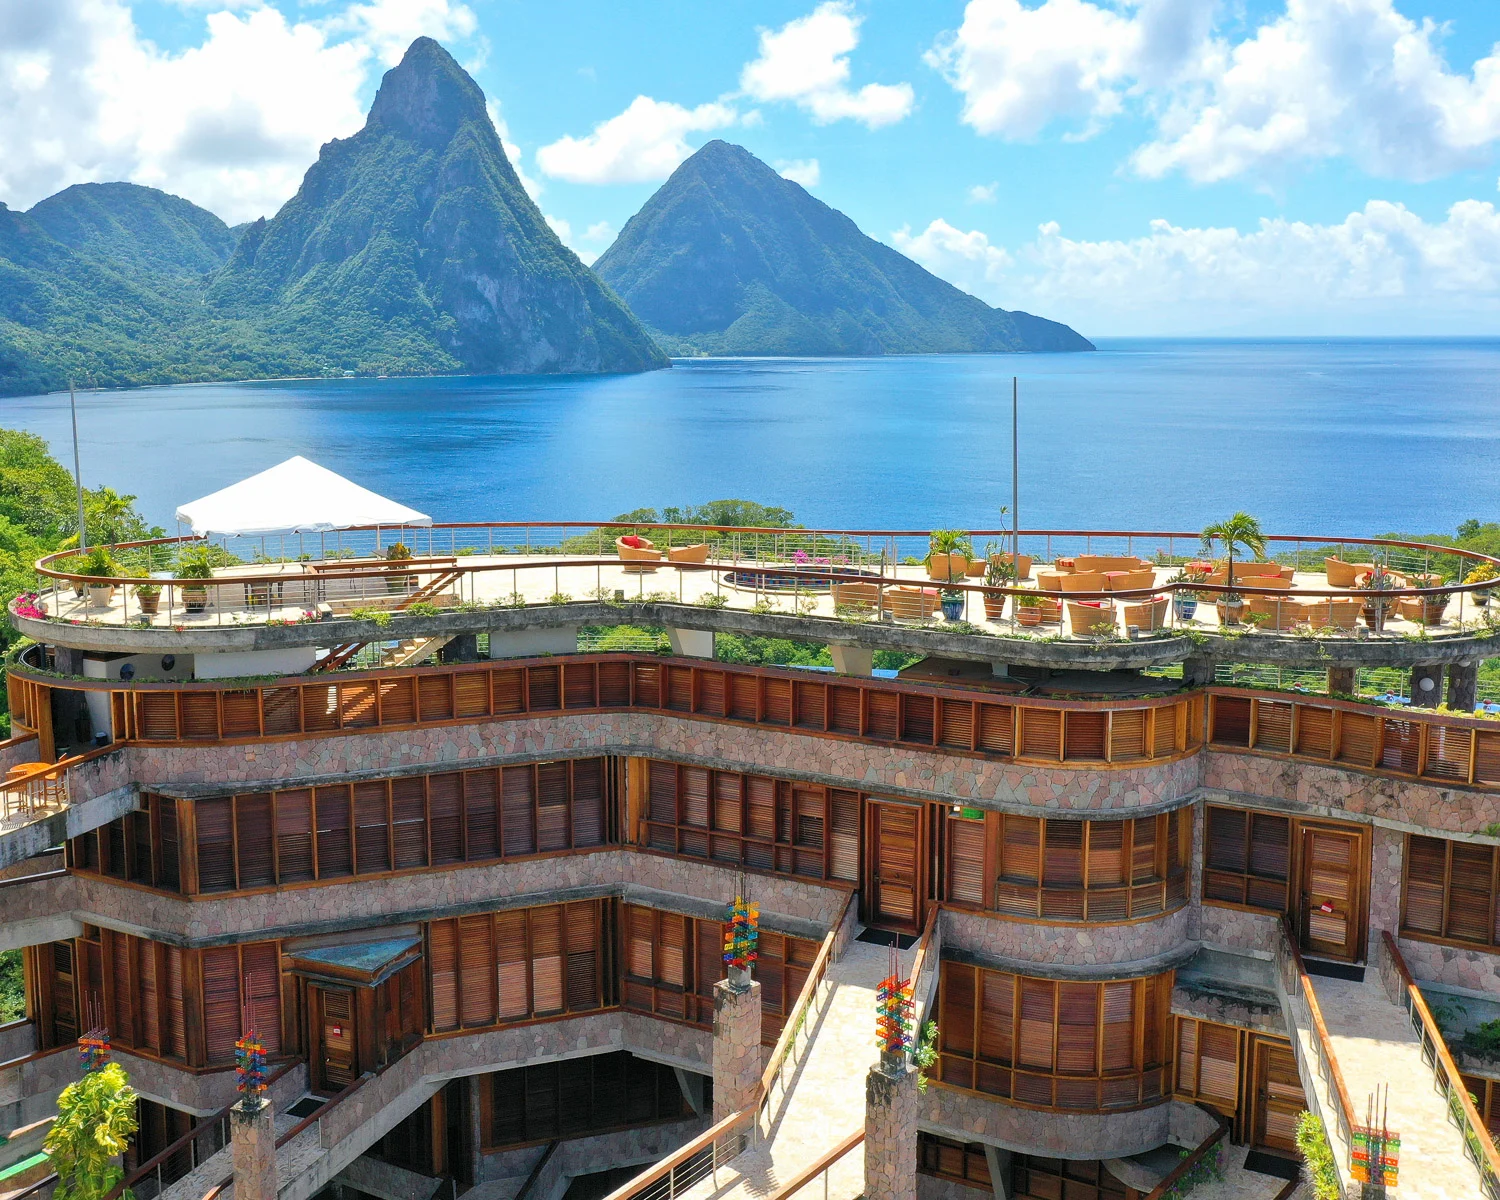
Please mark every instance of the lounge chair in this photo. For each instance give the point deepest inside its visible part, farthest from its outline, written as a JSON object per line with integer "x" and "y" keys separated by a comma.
{"x": 688, "y": 554}
{"x": 1344, "y": 574}
{"x": 1091, "y": 581}
{"x": 1085, "y": 563}
{"x": 855, "y": 595}
{"x": 910, "y": 603}
{"x": 1130, "y": 581}
{"x": 640, "y": 554}
{"x": 1278, "y": 613}
{"x": 1085, "y": 615}
{"x": 1149, "y": 614}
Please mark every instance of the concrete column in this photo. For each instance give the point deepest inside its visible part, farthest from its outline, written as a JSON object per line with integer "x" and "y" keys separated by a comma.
{"x": 529, "y": 643}
{"x": 1341, "y": 680}
{"x": 691, "y": 643}
{"x": 999, "y": 1164}
{"x": 1463, "y": 686}
{"x": 462, "y": 649}
{"x": 1427, "y": 686}
{"x": 891, "y": 1130}
{"x": 852, "y": 660}
{"x": 254, "y": 1153}
{"x": 476, "y": 1128}
{"x": 737, "y": 1064}
{"x": 67, "y": 660}
{"x": 1197, "y": 672}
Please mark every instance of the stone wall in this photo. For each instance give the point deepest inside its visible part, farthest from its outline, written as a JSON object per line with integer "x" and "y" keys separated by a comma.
{"x": 1072, "y": 945}
{"x": 930, "y": 1187}
{"x": 504, "y": 1173}
{"x": 967, "y": 1117}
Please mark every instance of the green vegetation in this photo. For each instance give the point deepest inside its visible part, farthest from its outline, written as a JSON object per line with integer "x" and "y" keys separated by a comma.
{"x": 1207, "y": 1169}
{"x": 95, "y": 1118}
{"x": 730, "y": 258}
{"x": 12, "y": 987}
{"x": 1317, "y": 1155}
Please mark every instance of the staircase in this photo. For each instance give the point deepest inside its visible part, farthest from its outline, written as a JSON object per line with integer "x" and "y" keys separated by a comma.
{"x": 427, "y": 593}
{"x": 1352, "y": 1038}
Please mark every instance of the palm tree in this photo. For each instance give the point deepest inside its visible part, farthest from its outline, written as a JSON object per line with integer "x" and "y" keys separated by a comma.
{"x": 1239, "y": 530}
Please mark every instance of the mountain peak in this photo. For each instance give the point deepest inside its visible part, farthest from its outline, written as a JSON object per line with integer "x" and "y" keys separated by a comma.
{"x": 427, "y": 96}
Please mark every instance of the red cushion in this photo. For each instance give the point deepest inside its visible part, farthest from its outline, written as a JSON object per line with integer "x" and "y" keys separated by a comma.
{"x": 1090, "y": 603}
{"x": 634, "y": 542}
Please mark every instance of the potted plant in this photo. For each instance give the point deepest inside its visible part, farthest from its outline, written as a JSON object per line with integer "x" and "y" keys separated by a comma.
{"x": 948, "y": 554}
{"x": 1032, "y": 609}
{"x": 1240, "y": 531}
{"x": 1483, "y": 573}
{"x": 98, "y": 564}
{"x": 952, "y": 603}
{"x": 997, "y": 573}
{"x": 194, "y": 563}
{"x": 1184, "y": 596}
{"x": 1377, "y": 586}
{"x": 148, "y": 594}
{"x": 399, "y": 552}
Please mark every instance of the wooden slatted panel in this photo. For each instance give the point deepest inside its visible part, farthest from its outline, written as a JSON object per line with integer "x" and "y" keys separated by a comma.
{"x": 261, "y": 970}
{"x": 1038, "y": 1012}
{"x": 115, "y": 949}
{"x": 966, "y": 845}
{"x": 1077, "y": 1028}
{"x": 812, "y": 705}
{"x": 1218, "y": 1065}
{"x": 843, "y": 710}
{"x": 744, "y": 697}
{"x": 518, "y": 823}
{"x": 158, "y": 716}
{"x": 442, "y": 968}
{"x": 1106, "y": 854}
{"x": 1020, "y": 865}
{"x": 294, "y": 848}
{"x": 215, "y": 820}
{"x": 513, "y": 968}
{"x": 398, "y": 702}
{"x": 1186, "y": 1067}
{"x": 1471, "y": 893}
{"x": 1117, "y": 1013}
{"x": 476, "y": 965}
{"x": 996, "y": 728}
{"x": 1314, "y": 731}
{"x": 1041, "y": 734}
{"x": 254, "y": 841}
{"x": 1228, "y": 855}
{"x": 552, "y": 806}
{"x": 679, "y": 689}
{"x": 547, "y": 989}
{"x": 760, "y": 807}
{"x": 320, "y": 707}
{"x": 728, "y": 803}
{"x": 614, "y": 684}
{"x": 471, "y": 693}
{"x": 917, "y": 717}
{"x": 778, "y": 700}
{"x": 956, "y": 1023}
{"x": 1487, "y": 758}
{"x": 578, "y": 685}
{"x": 884, "y": 715}
{"x": 1270, "y": 861}
{"x": 331, "y": 814}
{"x": 508, "y": 691}
{"x": 1400, "y": 746}
{"x": 372, "y": 840}
{"x": 409, "y": 823}
{"x": 712, "y": 693}
{"x": 1231, "y": 716}
{"x": 844, "y": 821}
{"x": 1164, "y": 734}
{"x": 1448, "y": 752}
{"x": 543, "y": 689}
{"x": 808, "y": 833}
{"x": 695, "y": 793}
{"x": 588, "y": 802}
{"x": 200, "y": 715}
{"x": 1085, "y": 736}
{"x": 1357, "y": 736}
{"x": 481, "y": 791}
{"x": 242, "y": 713}
{"x": 647, "y": 685}
{"x": 356, "y": 704}
{"x": 445, "y": 816}
{"x": 221, "y": 1002}
{"x": 1127, "y": 735}
{"x": 1273, "y": 726}
{"x": 581, "y": 946}
{"x": 174, "y": 1036}
{"x": 434, "y": 698}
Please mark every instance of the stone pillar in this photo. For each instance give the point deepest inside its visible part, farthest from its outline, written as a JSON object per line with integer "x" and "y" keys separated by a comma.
{"x": 1197, "y": 672}
{"x": 998, "y": 1161}
{"x": 691, "y": 643}
{"x": 737, "y": 1064}
{"x": 254, "y": 1153}
{"x": 1341, "y": 680}
{"x": 1463, "y": 685}
{"x": 1427, "y": 685}
{"x": 852, "y": 660}
{"x": 891, "y": 1130}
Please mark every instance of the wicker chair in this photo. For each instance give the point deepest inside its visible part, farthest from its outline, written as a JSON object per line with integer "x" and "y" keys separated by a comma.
{"x": 910, "y": 603}
{"x": 1149, "y": 614}
{"x": 641, "y": 558}
{"x": 1344, "y": 574}
{"x": 1086, "y": 563}
{"x": 1332, "y": 613}
{"x": 1080, "y": 581}
{"x": 1085, "y": 616}
{"x": 1130, "y": 581}
{"x": 688, "y": 554}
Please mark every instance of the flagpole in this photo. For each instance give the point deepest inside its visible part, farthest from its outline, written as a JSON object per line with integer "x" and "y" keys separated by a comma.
{"x": 1015, "y": 493}
{"x": 77, "y": 473}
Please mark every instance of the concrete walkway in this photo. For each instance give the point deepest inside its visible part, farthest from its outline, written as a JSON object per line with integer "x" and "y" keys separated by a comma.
{"x": 1375, "y": 1044}
{"x": 822, "y": 1098}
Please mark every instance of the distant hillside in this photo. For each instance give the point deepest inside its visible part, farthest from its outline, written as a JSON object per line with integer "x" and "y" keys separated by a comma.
{"x": 730, "y": 258}
{"x": 412, "y": 245}
{"x": 126, "y": 225}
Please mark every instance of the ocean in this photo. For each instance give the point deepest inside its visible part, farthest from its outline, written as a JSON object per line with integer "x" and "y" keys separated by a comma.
{"x": 1347, "y": 437}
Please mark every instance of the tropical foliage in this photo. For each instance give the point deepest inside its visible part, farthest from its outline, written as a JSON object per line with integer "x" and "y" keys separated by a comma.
{"x": 95, "y": 1118}
{"x": 1317, "y": 1156}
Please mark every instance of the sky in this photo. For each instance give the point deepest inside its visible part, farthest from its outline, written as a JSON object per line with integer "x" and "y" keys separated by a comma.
{"x": 1131, "y": 167}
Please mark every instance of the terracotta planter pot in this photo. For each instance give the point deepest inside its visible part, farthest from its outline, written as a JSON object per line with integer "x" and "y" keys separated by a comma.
{"x": 946, "y": 567}
{"x": 150, "y": 605}
{"x": 1029, "y": 616}
{"x": 994, "y": 607}
{"x": 1374, "y": 615}
{"x": 195, "y": 599}
{"x": 1230, "y": 614}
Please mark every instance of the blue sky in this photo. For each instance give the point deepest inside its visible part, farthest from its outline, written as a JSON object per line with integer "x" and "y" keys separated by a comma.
{"x": 1131, "y": 166}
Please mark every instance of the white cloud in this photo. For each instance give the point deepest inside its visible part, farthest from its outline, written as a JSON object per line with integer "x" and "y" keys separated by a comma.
{"x": 512, "y": 150}
{"x": 1323, "y": 78}
{"x": 599, "y": 231}
{"x": 983, "y": 193}
{"x": 806, "y": 62}
{"x": 560, "y": 227}
{"x": 805, "y": 171}
{"x": 643, "y": 144}
{"x": 1381, "y": 269}
{"x": 231, "y": 123}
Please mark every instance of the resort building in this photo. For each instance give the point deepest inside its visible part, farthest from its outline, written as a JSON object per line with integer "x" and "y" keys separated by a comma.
{"x": 459, "y": 850}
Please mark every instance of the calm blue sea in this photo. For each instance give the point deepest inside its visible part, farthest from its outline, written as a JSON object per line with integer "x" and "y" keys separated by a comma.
{"x": 1343, "y": 436}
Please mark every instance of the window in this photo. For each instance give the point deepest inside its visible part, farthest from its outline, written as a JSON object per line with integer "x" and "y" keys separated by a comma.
{"x": 672, "y": 963}
{"x": 1109, "y": 870}
{"x": 1450, "y": 891}
{"x": 1248, "y": 860}
{"x": 1084, "y": 1047}
{"x": 1036, "y": 1178}
{"x": 141, "y": 985}
{"x": 140, "y": 846}
{"x": 1208, "y": 1064}
{"x": 962, "y": 1162}
{"x": 578, "y": 1097}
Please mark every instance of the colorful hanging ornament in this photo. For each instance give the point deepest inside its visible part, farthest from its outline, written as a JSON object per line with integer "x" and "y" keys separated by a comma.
{"x": 250, "y": 1069}
{"x": 93, "y": 1050}
{"x": 742, "y": 932}
{"x": 893, "y": 1011}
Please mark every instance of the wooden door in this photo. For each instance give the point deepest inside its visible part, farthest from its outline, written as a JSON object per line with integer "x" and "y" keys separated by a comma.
{"x": 1331, "y": 895}
{"x": 336, "y": 1061}
{"x": 895, "y": 891}
{"x": 1277, "y": 1098}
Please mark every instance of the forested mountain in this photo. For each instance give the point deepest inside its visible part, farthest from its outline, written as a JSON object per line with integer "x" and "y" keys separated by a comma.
{"x": 730, "y": 258}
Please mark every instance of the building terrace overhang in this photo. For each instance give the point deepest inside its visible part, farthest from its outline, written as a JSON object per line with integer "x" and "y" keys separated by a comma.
{"x": 871, "y": 589}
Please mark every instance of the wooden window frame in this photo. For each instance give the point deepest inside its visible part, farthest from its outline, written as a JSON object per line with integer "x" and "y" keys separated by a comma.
{"x": 1492, "y": 943}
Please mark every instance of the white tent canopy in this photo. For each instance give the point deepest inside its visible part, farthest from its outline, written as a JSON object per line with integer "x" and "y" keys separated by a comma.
{"x": 296, "y": 496}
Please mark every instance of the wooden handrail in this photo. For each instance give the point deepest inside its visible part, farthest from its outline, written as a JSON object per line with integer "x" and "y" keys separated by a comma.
{"x": 313, "y": 1118}
{"x": 1320, "y": 1029}
{"x": 815, "y": 1168}
{"x": 730, "y": 1124}
{"x": 1191, "y": 1161}
{"x": 1481, "y": 1139}
{"x": 13, "y": 1063}
{"x": 536, "y": 1171}
{"x": 795, "y": 1018}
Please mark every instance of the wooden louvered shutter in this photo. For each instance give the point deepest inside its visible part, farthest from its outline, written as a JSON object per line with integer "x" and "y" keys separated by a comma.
{"x": 513, "y": 969}
{"x": 1314, "y": 731}
{"x": 809, "y": 822}
{"x": 1038, "y": 1007}
{"x": 294, "y": 849}
{"x": 1020, "y": 865}
{"x": 1127, "y": 735}
{"x": 581, "y": 934}
{"x": 241, "y": 714}
{"x": 640, "y": 939}
{"x": 168, "y": 867}
{"x": 1426, "y": 869}
{"x": 844, "y": 835}
{"x": 507, "y": 1111}
{"x": 884, "y": 715}
{"x": 1077, "y": 1028}
{"x": 695, "y": 797}
{"x": 115, "y": 948}
{"x": 174, "y": 1036}
{"x": 477, "y": 974}
{"x": 996, "y": 722}
{"x": 445, "y": 817}
{"x": 958, "y": 724}
{"x": 1273, "y": 726}
{"x": 966, "y": 844}
{"x": 546, "y": 959}
{"x": 1231, "y": 716}
{"x": 1218, "y": 1064}
{"x": 254, "y": 847}
{"x": 917, "y": 719}
{"x": 778, "y": 696}
{"x": 1357, "y": 734}
{"x": 1224, "y": 873}
{"x": 588, "y": 802}
{"x": 356, "y": 702}
{"x": 1187, "y": 1056}
{"x": 1118, "y": 1027}
{"x": 812, "y": 705}
{"x": 372, "y": 833}
{"x": 221, "y": 1003}
{"x": 760, "y": 805}
{"x": 1106, "y": 852}
{"x": 471, "y": 693}
{"x": 481, "y": 797}
{"x": 331, "y": 813}
{"x": 1400, "y": 745}
{"x": 843, "y": 710}
{"x": 1270, "y": 861}
{"x": 552, "y": 806}
{"x": 680, "y": 689}
{"x": 1041, "y": 734}
{"x": 442, "y": 967}
{"x": 1063, "y": 854}
{"x": 956, "y": 1025}
{"x": 1486, "y": 757}
{"x": 215, "y": 844}
{"x": 997, "y": 1012}
{"x": 744, "y": 697}
{"x": 408, "y": 822}
{"x": 517, "y": 818}
{"x": 1143, "y": 838}
{"x": 261, "y": 971}
{"x": 1448, "y": 752}
{"x": 1085, "y": 735}
{"x": 1471, "y": 893}
{"x": 506, "y": 691}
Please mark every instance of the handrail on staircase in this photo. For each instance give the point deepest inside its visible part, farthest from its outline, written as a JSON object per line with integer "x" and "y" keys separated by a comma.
{"x": 1479, "y": 1147}
{"x": 323, "y": 1110}
{"x": 1288, "y": 953}
{"x": 817, "y": 1167}
{"x": 536, "y": 1171}
{"x": 1192, "y": 1160}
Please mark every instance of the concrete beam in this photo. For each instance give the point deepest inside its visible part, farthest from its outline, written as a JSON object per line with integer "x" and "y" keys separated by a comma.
{"x": 532, "y": 642}
{"x": 691, "y": 643}
{"x": 41, "y": 835}
{"x": 852, "y": 660}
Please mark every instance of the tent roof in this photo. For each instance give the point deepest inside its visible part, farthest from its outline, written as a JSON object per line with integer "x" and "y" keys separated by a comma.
{"x": 296, "y": 496}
